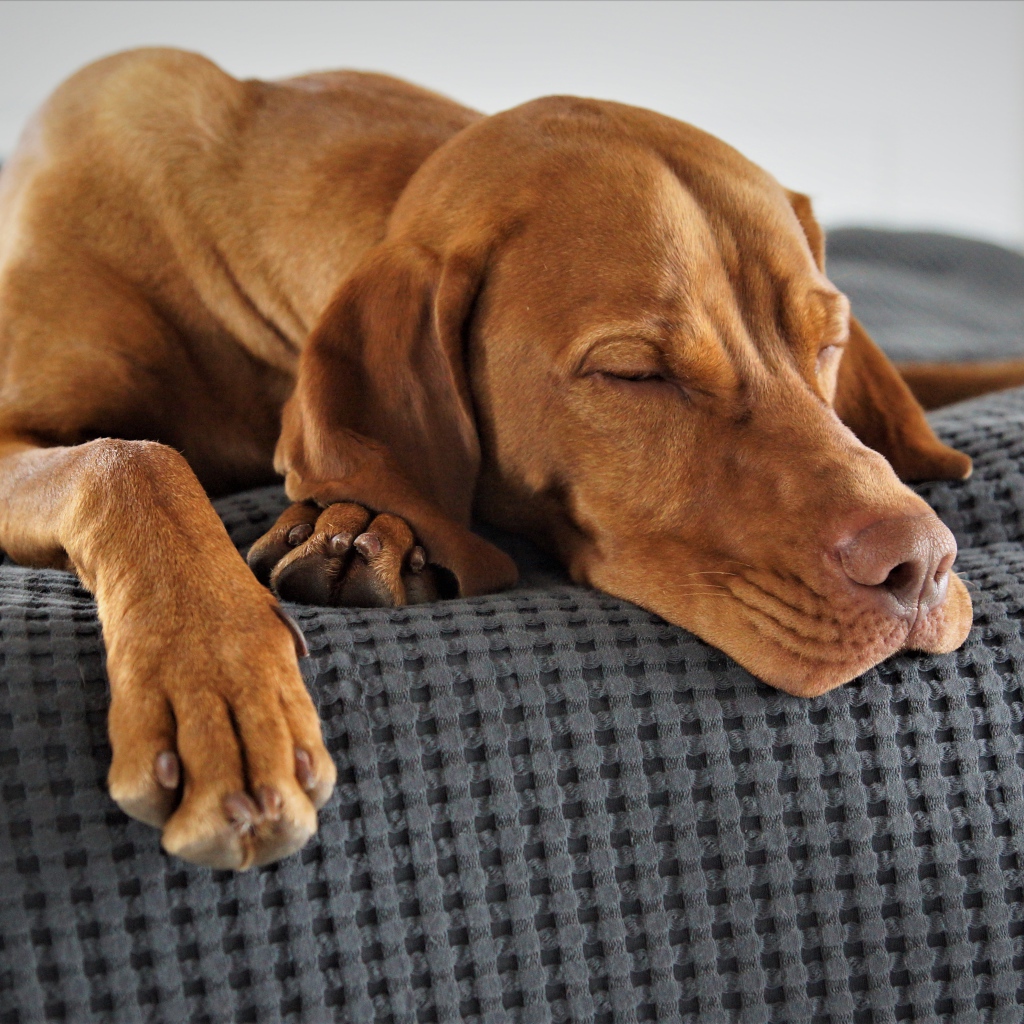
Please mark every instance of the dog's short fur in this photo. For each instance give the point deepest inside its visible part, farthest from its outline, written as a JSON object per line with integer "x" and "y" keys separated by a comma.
{"x": 578, "y": 320}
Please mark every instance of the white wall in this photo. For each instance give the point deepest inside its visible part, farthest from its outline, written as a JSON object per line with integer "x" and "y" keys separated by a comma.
{"x": 887, "y": 113}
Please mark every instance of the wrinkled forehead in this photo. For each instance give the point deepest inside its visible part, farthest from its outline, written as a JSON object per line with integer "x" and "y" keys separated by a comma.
{"x": 620, "y": 234}
{"x": 622, "y": 214}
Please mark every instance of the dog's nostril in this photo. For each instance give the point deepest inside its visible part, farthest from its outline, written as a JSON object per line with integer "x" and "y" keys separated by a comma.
{"x": 907, "y": 557}
{"x": 899, "y": 577}
{"x": 906, "y": 580}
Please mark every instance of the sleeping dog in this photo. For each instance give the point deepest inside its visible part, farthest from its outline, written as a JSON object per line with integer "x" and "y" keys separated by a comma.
{"x": 578, "y": 320}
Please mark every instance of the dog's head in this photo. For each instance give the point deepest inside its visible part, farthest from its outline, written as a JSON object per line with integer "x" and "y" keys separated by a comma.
{"x": 624, "y": 343}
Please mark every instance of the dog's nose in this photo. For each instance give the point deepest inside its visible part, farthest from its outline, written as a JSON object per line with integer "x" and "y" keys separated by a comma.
{"x": 907, "y": 558}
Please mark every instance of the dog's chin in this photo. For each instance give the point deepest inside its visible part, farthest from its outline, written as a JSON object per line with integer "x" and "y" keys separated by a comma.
{"x": 810, "y": 670}
{"x": 941, "y": 631}
{"x": 801, "y": 674}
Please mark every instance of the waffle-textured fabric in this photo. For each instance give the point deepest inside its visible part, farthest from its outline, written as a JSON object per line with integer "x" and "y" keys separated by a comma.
{"x": 552, "y": 806}
{"x": 932, "y": 296}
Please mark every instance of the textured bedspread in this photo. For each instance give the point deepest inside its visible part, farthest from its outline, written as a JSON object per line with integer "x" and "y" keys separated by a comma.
{"x": 553, "y": 806}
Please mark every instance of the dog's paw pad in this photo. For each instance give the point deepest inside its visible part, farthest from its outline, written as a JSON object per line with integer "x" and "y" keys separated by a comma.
{"x": 348, "y": 557}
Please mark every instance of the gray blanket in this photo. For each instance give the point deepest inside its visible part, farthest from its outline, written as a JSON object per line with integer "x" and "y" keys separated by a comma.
{"x": 554, "y": 806}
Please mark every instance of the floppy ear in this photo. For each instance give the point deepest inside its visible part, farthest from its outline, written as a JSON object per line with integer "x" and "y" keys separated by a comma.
{"x": 812, "y": 229}
{"x": 382, "y": 413}
{"x": 874, "y": 401}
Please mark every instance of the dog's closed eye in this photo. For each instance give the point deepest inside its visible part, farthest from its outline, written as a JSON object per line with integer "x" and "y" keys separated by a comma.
{"x": 625, "y": 359}
{"x": 633, "y": 375}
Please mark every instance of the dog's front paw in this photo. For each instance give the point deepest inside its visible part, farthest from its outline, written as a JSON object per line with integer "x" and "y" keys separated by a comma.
{"x": 215, "y": 738}
{"x": 346, "y": 555}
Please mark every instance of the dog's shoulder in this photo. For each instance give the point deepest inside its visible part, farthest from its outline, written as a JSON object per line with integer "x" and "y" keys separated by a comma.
{"x": 123, "y": 125}
{"x": 142, "y": 103}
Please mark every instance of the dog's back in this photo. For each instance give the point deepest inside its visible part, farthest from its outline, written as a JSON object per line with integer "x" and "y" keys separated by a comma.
{"x": 205, "y": 222}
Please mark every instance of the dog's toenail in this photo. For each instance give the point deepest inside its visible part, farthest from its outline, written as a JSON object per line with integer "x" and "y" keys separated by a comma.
{"x": 270, "y": 802}
{"x": 418, "y": 559}
{"x": 340, "y": 543}
{"x": 301, "y": 650}
{"x": 368, "y": 545}
{"x": 299, "y": 534}
{"x": 241, "y": 812}
{"x": 168, "y": 769}
{"x": 304, "y": 769}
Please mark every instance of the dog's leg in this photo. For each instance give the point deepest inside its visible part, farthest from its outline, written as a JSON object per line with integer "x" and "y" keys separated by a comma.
{"x": 938, "y": 384}
{"x": 214, "y": 736}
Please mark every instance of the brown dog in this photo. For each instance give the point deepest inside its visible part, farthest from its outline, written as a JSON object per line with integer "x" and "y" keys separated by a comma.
{"x": 584, "y": 321}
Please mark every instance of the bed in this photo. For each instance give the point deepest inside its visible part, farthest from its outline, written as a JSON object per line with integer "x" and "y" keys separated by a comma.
{"x": 554, "y": 806}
